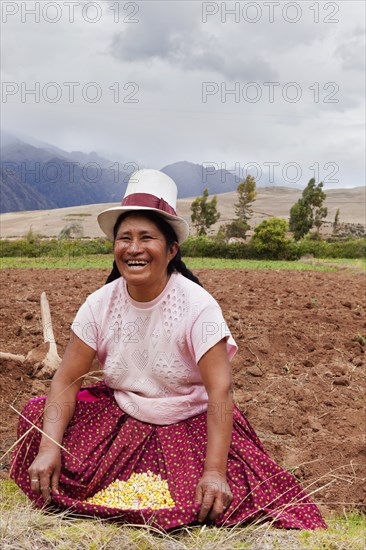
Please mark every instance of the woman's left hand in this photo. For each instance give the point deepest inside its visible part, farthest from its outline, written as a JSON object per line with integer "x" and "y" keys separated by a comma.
{"x": 214, "y": 495}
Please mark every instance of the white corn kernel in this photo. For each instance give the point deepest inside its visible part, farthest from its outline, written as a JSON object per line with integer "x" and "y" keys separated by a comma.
{"x": 140, "y": 491}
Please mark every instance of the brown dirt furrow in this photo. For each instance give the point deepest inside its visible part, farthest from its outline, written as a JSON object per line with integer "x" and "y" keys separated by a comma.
{"x": 299, "y": 374}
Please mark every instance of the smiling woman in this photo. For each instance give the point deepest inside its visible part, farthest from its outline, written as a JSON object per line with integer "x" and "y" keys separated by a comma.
{"x": 164, "y": 410}
{"x": 142, "y": 256}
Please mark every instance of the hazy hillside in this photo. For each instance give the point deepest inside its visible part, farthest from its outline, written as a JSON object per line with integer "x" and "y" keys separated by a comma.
{"x": 65, "y": 179}
{"x": 57, "y": 178}
{"x": 16, "y": 195}
{"x": 192, "y": 179}
{"x": 270, "y": 202}
{"x": 70, "y": 179}
{"x": 38, "y": 175}
{"x": 277, "y": 201}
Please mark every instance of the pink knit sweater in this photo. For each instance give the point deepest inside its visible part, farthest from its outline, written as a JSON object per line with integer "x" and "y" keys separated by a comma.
{"x": 149, "y": 350}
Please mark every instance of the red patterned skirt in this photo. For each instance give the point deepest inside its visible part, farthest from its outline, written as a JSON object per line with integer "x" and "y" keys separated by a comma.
{"x": 103, "y": 443}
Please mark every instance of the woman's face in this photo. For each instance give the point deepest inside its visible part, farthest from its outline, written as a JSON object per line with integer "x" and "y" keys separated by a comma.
{"x": 142, "y": 257}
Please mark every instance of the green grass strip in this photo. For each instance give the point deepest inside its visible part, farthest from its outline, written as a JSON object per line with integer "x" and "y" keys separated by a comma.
{"x": 104, "y": 261}
{"x": 217, "y": 263}
{"x": 95, "y": 261}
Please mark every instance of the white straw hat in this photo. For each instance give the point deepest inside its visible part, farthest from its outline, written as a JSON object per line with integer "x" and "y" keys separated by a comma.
{"x": 147, "y": 190}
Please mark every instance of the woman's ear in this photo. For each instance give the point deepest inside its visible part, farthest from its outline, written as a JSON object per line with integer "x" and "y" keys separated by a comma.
{"x": 173, "y": 250}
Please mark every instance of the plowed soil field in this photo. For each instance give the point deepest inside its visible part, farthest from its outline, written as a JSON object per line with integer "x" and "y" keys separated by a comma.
{"x": 299, "y": 373}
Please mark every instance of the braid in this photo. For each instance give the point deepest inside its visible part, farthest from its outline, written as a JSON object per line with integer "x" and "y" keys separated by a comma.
{"x": 177, "y": 264}
{"x": 114, "y": 274}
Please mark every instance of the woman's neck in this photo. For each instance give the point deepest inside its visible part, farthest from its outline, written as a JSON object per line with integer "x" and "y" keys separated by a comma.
{"x": 147, "y": 294}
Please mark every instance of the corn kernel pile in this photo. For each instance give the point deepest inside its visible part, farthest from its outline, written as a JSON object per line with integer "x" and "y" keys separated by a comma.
{"x": 146, "y": 490}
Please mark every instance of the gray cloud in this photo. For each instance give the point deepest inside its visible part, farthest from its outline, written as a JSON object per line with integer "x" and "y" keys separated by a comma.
{"x": 190, "y": 50}
{"x": 179, "y": 38}
{"x": 351, "y": 51}
{"x": 169, "y": 53}
{"x": 157, "y": 33}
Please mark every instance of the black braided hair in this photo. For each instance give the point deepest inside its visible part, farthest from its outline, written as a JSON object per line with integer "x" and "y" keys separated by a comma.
{"x": 176, "y": 264}
{"x": 114, "y": 274}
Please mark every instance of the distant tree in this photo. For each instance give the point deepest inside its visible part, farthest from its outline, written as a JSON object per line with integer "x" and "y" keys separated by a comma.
{"x": 204, "y": 213}
{"x": 300, "y": 219}
{"x": 269, "y": 237}
{"x": 319, "y": 216}
{"x": 221, "y": 234}
{"x": 71, "y": 230}
{"x": 308, "y": 210}
{"x": 336, "y": 222}
{"x": 32, "y": 236}
{"x": 236, "y": 228}
{"x": 246, "y": 196}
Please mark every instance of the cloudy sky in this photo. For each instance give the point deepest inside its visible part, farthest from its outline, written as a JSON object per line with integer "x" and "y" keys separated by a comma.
{"x": 260, "y": 86}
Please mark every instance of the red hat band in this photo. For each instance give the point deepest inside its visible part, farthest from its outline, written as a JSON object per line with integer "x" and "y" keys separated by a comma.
{"x": 150, "y": 201}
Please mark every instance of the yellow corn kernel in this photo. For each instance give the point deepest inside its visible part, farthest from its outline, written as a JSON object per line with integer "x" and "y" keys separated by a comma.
{"x": 145, "y": 490}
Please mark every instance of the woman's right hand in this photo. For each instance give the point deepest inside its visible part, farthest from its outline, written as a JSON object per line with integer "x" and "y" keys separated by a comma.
{"x": 44, "y": 472}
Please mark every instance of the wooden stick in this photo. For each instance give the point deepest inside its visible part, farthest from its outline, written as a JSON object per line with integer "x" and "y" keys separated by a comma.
{"x": 46, "y": 362}
{"x": 12, "y": 357}
{"x": 48, "y": 335}
{"x": 52, "y": 360}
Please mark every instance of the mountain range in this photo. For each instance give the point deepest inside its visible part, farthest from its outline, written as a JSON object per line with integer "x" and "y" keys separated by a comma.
{"x": 38, "y": 176}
